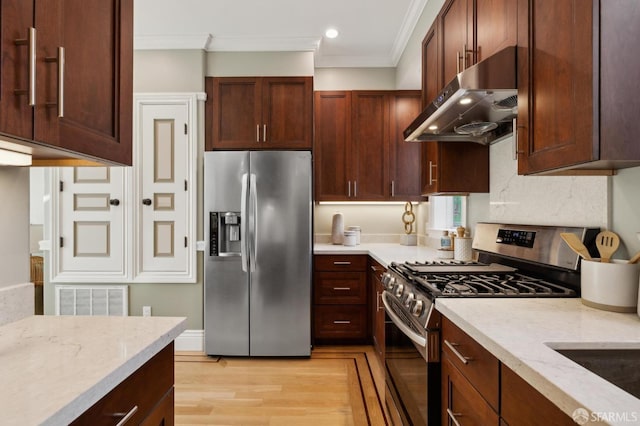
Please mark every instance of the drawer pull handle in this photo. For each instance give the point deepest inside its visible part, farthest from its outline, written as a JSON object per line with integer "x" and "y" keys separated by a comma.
{"x": 342, "y": 263}
{"x": 342, "y": 288}
{"x": 127, "y": 416}
{"x": 341, "y": 322}
{"x": 464, "y": 359}
{"x": 452, "y": 416}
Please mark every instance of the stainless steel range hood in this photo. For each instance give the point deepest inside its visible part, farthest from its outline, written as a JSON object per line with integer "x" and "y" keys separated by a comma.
{"x": 478, "y": 105}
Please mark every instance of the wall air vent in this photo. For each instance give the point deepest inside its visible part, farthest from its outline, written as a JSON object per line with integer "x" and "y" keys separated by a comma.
{"x": 92, "y": 300}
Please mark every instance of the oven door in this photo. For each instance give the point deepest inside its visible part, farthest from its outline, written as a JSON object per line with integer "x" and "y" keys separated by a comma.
{"x": 412, "y": 383}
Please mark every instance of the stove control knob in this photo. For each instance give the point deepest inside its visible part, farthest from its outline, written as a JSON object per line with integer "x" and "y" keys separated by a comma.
{"x": 399, "y": 290}
{"x": 391, "y": 282}
{"x": 409, "y": 300}
{"x": 417, "y": 308}
{"x": 385, "y": 278}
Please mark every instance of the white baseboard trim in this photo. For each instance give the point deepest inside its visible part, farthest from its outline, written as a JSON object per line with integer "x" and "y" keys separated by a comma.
{"x": 190, "y": 340}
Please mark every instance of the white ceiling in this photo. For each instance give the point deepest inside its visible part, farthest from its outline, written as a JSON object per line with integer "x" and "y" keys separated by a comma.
{"x": 373, "y": 33}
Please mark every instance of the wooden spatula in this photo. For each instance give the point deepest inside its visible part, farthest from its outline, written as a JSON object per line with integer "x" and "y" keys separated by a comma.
{"x": 575, "y": 244}
{"x": 607, "y": 243}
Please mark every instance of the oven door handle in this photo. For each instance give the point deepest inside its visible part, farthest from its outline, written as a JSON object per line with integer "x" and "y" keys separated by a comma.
{"x": 415, "y": 337}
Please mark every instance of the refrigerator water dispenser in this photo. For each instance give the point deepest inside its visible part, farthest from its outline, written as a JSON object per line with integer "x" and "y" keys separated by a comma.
{"x": 225, "y": 236}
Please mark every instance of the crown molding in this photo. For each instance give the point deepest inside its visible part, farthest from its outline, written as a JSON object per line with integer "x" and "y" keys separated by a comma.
{"x": 170, "y": 42}
{"x": 408, "y": 26}
{"x": 264, "y": 44}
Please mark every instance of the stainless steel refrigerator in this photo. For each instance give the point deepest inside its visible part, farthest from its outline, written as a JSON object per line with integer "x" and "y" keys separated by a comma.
{"x": 257, "y": 273}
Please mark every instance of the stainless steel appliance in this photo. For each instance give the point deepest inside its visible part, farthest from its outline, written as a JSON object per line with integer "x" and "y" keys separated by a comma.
{"x": 478, "y": 105}
{"x": 512, "y": 261}
{"x": 257, "y": 273}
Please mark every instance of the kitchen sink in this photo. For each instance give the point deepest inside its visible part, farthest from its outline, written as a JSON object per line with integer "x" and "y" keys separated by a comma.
{"x": 617, "y": 366}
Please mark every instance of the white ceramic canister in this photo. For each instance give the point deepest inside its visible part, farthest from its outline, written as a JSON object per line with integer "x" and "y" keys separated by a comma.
{"x": 462, "y": 249}
{"x": 610, "y": 286}
{"x": 349, "y": 238}
{"x": 337, "y": 228}
{"x": 357, "y": 230}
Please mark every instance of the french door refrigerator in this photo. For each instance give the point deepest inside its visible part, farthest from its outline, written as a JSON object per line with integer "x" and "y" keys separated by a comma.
{"x": 257, "y": 273}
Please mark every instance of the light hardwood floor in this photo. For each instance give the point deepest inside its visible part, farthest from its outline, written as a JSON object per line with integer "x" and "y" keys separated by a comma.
{"x": 337, "y": 385}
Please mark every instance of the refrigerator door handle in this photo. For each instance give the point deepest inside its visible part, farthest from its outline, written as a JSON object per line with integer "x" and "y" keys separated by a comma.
{"x": 244, "y": 225}
{"x": 253, "y": 203}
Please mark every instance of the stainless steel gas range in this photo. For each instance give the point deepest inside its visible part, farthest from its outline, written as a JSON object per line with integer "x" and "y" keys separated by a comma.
{"x": 512, "y": 261}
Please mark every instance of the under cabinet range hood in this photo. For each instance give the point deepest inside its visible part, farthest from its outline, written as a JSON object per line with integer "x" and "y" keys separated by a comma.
{"x": 478, "y": 105}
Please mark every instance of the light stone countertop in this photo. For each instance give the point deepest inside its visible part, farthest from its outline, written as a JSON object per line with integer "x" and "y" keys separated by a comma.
{"x": 53, "y": 368}
{"x": 522, "y": 332}
{"x": 383, "y": 253}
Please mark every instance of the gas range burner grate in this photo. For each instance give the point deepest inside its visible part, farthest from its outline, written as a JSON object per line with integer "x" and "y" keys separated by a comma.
{"x": 491, "y": 285}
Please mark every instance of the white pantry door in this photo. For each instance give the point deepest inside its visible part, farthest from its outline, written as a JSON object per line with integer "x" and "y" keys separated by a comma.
{"x": 164, "y": 194}
{"x": 91, "y": 231}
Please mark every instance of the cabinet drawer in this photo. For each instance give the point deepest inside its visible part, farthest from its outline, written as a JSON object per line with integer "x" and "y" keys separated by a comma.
{"x": 461, "y": 401}
{"x": 346, "y": 288}
{"x": 340, "y": 262}
{"x": 474, "y": 362}
{"x": 340, "y": 321}
{"x": 144, "y": 389}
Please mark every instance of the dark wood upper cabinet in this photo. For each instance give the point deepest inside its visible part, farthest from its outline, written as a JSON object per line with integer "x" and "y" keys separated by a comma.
{"x": 16, "y": 115}
{"x": 359, "y": 150}
{"x": 83, "y": 85}
{"x": 448, "y": 168}
{"x": 259, "y": 112}
{"x": 331, "y": 146}
{"x": 577, "y": 101}
{"x": 369, "y": 144}
{"x": 496, "y": 26}
{"x": 404, "y": 157}
{"x": 456, "y": 37}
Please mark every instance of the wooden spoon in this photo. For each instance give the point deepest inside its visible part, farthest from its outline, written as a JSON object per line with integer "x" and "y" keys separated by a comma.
{"x": 575, "y": 244}
{"x": 635, "y": 258}
{"x": 607, "y": 243}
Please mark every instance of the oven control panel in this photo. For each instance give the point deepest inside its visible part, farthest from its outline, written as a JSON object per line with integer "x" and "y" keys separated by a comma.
{"x": 516, "y": 237}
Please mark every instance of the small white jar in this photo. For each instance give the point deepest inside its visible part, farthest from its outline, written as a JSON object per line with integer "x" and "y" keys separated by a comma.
{"x": 349, "y": 238}
{"x": 358, "y": 232}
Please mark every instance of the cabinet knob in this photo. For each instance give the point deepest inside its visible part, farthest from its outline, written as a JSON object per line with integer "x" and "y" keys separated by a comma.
{"x": 114, "y": 202}
{"x": 146, "y": 201}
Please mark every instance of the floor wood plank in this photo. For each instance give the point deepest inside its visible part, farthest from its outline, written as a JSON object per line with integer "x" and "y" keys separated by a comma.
{"x": 335, "y": 386}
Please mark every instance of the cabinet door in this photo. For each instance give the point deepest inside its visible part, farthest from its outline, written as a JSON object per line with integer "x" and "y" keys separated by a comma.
{"x": 369, "y": 145}
{"x": 85, "y": 77}
{"x": 522, "y": 405}
{"x": 555, "y": 92}
{"x": 404, "y": 157}
{"x": 287, "y": 118}
{"x": 456, "y": 33}
{"x": 233, "y": 113}
{"x": 332, "y": 144}
{"x": 16, "y": 115}
{"x": 90, "y": 224}
{"x": 496, "y": 26}
{"x": 377, "y": 309}
{"x": 431, "y": 75}
{"x": 165, "y": 198}
{"x": 461, "y": 402}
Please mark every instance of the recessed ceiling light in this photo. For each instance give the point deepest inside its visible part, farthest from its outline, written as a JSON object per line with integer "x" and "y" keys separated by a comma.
{"x": 331, "y": 33}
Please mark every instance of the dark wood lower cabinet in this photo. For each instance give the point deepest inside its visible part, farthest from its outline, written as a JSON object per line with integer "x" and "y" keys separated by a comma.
{"x": 462, "y": 402}
{"x": 147, "y": 394}
{"x": 479, "y": 390}
{"x": 522, "y": 405}
{"x": 340, "y": 299}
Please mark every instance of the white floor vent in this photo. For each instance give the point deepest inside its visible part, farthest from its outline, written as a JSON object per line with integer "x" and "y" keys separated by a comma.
{"x": 95, "y": 300}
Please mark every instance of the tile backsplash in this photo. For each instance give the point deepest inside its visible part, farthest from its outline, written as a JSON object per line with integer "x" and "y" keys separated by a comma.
{"x": 544, "y": 200}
